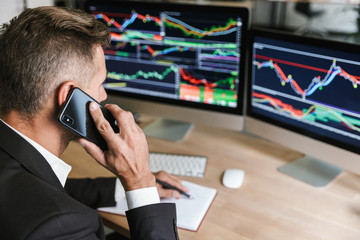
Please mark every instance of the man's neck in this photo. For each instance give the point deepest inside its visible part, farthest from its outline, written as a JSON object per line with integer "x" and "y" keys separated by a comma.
{"x": 40, "y": 129}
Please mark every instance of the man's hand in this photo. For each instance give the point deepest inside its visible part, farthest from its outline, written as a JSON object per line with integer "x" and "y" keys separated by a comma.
{"x": 172, "y": 180}
{"x": 128, "y": 154}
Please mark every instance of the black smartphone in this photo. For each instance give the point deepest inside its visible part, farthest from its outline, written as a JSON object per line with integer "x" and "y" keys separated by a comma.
{"x": 75, "y": 115}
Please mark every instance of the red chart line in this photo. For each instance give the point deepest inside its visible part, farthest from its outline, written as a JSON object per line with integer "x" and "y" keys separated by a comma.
{"x": 295, "y": 64}
{"x": 110, "y": 14}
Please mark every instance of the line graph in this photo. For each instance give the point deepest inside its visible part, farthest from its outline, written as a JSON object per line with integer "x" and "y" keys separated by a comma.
{"x": 229, "y": 82}
{"x": 313, "y": 113}
{"x": 177, "y": 54}
{"x": 128, "y": 21}
{"x": 122, "y": 32}
{"x": 188, "y": 30}
{"x": 142, "y": 74}
{"x": 156, "y": 53}
{"x": 202, "y": 45}
{"x": 146, "y": 78}
{"x": 317, "y": 83}
{"x": 224, "y": 53}
{"x": 130, "y": 35}
{"x": 171, "y": 22}
{"x": 308, "y": 87}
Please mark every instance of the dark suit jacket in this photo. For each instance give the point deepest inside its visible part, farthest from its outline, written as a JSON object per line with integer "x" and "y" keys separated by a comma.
{"x": 34, "y": 205}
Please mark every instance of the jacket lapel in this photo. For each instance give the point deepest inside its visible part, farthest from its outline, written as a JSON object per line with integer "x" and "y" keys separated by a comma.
{"x": 27, "y": 155}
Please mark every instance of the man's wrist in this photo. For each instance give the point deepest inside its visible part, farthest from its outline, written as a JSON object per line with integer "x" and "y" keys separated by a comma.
{"x": 139, "y": 183}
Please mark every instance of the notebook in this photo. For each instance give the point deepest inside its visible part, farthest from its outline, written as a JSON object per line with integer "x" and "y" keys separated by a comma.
{"x": 190, "y": 212}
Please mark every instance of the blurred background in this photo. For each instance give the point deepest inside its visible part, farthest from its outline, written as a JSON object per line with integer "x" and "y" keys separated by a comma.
{"x": 334, "y": 19}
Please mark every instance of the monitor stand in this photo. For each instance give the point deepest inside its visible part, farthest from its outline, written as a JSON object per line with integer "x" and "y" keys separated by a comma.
{"x": 311, "y": 170}
{"x": 166, "y": 129}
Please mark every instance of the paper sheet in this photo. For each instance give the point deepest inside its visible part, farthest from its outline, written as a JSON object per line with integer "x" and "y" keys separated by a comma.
{"x": 190, "y": 212}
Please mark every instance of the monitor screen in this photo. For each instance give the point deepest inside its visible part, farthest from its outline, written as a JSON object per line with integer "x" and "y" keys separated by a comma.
{"x": 308, "y": 86}
{"x": 183, "y": 55}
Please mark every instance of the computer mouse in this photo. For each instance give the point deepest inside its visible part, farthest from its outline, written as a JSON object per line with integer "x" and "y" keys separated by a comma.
{"x": 233, "y": 178}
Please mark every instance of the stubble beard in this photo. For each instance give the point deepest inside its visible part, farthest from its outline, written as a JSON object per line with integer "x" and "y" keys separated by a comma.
{"x": 65, "y": 138}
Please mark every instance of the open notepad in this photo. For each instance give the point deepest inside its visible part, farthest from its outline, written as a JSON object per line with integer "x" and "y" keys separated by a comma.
{"x": 190, "y": 212}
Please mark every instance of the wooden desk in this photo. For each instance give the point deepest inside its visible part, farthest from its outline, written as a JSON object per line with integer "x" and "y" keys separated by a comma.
{"x": 269, "y": 205}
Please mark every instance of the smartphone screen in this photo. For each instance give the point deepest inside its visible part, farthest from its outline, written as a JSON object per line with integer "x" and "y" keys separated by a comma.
{"x": 75, "y": 115}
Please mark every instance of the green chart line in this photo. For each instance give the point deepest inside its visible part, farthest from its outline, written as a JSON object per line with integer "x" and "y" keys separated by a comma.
{"x": 140, "y": 73}
{"x": 200, "y": 45}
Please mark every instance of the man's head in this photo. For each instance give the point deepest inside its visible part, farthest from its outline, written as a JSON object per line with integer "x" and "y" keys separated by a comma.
{"x": 40, "y": 50}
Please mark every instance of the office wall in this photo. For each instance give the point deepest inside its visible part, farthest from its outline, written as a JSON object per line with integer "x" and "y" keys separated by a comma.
{"x": 330, "y": 17}
{"x": 334, "y": 17}
{"x": 11, "y": 8}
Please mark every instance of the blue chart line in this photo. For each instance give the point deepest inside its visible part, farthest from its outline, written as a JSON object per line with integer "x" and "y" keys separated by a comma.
{"x": 129, "y": 21}
{"x": 220, "y": 33}
{"x": 316, "y": 84}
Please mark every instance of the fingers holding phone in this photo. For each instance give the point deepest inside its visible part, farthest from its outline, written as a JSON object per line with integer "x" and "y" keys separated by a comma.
{"x": 75, "y": 116}
{"x": 127, "y": 154}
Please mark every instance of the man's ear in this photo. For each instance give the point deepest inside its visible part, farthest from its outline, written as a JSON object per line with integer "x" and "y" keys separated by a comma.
{"x": 64, "y": 91}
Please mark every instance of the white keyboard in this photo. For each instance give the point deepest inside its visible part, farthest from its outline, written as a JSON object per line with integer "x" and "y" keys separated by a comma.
{"x": 177, "y": 164}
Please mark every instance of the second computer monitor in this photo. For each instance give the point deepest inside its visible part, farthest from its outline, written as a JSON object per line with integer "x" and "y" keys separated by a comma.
{"x": 184, "y": 62}
{"x": 304, "y": 93}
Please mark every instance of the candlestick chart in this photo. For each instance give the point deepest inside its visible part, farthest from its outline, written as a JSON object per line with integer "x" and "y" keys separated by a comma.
{"x": 180, "y": 55}
{"x": 313, "y": 90}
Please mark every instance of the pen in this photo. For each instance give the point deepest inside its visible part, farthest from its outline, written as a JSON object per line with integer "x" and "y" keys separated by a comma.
{"x": 168, "y": 186}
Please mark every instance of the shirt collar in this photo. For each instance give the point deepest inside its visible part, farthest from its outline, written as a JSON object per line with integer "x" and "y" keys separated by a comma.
{"x": 60, "y": 168}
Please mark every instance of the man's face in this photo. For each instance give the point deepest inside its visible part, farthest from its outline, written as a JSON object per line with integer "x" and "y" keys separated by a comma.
{"x": 95, "y": 89}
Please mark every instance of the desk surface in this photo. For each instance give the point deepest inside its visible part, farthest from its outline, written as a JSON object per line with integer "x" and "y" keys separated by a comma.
{"x": 269, "y": 205}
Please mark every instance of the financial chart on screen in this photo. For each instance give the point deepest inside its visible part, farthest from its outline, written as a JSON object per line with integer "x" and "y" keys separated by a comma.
{"x": 173, "y": 53}
{"x": 311, "y": 88}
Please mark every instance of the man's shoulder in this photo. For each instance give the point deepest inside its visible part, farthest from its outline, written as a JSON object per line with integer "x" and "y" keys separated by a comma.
{"x": 29, "y": 203}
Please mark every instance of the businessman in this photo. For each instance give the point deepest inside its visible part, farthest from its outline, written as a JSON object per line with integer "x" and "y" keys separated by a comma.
{"x": 44, "y": 53}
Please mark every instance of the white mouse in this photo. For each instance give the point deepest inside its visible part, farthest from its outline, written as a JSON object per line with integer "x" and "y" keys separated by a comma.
{"x": 233, "y": 178}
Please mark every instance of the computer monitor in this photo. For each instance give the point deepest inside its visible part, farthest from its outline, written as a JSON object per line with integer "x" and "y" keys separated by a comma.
{"x": 304, "y": 93}
{"x": 177, "y": 61}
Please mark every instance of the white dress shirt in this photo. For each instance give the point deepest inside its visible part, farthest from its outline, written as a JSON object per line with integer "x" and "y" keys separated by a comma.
{"x": 135, "y": 198}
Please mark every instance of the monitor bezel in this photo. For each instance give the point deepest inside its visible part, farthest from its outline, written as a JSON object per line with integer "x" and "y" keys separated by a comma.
{"x": 293, "y": 38}
{"x": 239, "y": 11}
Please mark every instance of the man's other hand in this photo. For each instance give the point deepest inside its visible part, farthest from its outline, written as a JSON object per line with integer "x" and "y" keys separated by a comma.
{"x": 172, "y": 180}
